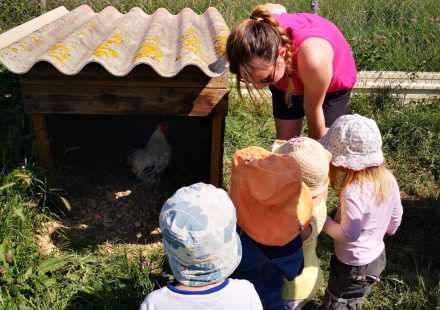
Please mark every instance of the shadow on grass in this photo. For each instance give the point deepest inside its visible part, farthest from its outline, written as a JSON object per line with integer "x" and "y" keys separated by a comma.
{"x": 411, "y": 279}
{"x": 120, "y": 294}
{"x": 418, "y": 237}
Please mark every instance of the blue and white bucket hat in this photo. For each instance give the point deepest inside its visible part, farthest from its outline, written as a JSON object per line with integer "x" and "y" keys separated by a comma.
{"x": 355, "y": 142}
{"x": 198, "y": 225}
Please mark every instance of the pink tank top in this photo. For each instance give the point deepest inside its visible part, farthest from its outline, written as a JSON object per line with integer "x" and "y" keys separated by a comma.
{"x": 304, "y": 26}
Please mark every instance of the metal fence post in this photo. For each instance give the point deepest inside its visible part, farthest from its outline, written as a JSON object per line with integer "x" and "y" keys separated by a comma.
{"x": 314, "y": 6}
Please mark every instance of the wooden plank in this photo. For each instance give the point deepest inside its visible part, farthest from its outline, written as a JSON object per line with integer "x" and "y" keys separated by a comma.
{"x": 42, "y": 140}
{"x": 217, "y": 150}
{"x": 221, "y": 108}
{"x": 203, "y": 105}
{"x": 121, "y": 100}
{"x": 94, "y": 75}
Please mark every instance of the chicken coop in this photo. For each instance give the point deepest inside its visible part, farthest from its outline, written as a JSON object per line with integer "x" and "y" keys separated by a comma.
{"x": 96, "y": 84}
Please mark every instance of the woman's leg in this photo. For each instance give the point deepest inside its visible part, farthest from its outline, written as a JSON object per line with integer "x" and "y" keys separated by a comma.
{"x": 335, "y": 105}
{"x": 287, "y": 129}
{"x": 288, "y": 119}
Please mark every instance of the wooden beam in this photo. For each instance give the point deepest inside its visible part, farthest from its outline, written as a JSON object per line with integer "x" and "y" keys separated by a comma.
{"x": 204, "y": 104}
{"x": 42, "y": 140}
{"x": 217, "y": 150}
{"x": 74, "y": 99}
{"x": 94, "y": 75}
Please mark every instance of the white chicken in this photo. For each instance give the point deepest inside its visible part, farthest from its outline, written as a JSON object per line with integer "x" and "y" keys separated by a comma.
{"x": 150, "y": 162}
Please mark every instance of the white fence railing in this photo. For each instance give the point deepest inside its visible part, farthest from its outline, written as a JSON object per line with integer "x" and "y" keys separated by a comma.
{"x": 407, "y": 86}
{"x": 410, "y": 86}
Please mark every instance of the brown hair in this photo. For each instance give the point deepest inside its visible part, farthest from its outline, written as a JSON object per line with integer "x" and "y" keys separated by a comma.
{"x": 340, "y": 178}
{"x": 259, "y": 36}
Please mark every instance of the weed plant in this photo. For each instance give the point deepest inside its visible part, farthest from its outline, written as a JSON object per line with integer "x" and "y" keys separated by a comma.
{"x": 63, "y": 279}
{"x": 30, "y": 279}
{"x": 384, "y": 35}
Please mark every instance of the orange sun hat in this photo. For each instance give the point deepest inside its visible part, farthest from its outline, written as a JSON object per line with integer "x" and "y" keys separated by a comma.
{"x": 273, "y": 204}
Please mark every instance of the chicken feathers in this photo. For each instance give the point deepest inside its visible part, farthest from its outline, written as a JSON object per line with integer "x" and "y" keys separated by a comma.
{"x": 149, "y": 163}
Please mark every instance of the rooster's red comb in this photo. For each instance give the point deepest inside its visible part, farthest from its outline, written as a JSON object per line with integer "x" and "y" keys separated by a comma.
{"x": 163, "y": 127}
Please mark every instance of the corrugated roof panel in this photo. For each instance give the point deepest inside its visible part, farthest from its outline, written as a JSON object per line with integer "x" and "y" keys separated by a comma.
{"x": 119, "y": 42}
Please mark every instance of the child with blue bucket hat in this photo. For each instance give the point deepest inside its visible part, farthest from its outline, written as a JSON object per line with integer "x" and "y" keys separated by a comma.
{"x": 198, "y": 225}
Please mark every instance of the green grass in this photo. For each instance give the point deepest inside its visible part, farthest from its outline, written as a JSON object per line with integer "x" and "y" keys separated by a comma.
{"x": 389, "y": 35}
{"x": 90, "y": 279}
{"x": 411, "y": 135}
{"x": 385, "y": 35}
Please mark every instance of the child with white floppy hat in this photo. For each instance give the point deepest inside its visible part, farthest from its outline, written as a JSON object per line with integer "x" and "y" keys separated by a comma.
{"x": 369, "y": 207}
{"x": 314, "y": 161}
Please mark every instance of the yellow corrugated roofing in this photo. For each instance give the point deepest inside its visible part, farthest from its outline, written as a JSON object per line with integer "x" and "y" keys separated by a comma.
{"x": 71, "y": 39}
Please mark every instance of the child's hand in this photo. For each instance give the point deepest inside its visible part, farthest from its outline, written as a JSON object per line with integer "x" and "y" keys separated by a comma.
{"x": 305, "y": 234}
{"x": 328, "y": 223}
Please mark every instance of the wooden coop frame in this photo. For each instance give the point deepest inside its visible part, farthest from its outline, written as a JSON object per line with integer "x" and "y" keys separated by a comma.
{"x": 141, "y": 92}
{"x": 82, "y": 62}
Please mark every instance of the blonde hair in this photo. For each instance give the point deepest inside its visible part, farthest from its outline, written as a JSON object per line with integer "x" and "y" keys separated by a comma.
{"x": 259, "y": 36}
{"x": 380, "y": 176}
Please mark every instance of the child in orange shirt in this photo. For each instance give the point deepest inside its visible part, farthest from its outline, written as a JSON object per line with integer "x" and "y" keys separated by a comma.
{"x": 273, "y": 207}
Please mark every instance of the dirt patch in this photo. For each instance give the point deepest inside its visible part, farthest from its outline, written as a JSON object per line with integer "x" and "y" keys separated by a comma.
{"x": 109, "y": 208}
{"x": 44, "y": 240}
{"x": 108, "y": 203}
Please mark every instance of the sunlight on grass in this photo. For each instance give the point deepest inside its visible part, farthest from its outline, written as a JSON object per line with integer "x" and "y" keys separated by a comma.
{"x": 384, "y": 35}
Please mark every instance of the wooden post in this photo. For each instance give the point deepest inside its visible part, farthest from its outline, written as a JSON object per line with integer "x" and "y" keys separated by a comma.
{"x": 42, "y": 140}
{"x": 437, "y": 206}
{"x": 216, "y": 150}
{"x": 43, "y": 5}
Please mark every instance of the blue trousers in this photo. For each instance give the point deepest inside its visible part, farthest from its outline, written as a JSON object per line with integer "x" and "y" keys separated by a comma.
{"x": 266, "y": 266}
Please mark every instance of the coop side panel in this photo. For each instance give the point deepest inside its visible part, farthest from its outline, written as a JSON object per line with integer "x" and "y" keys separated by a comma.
{"x": 120, "y": 100}
{"x": 141, "y": 92}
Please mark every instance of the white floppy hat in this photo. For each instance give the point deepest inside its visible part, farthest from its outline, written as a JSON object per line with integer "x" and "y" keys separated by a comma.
{"x": 355, "y": 142}
{"x": 312, "y": 157}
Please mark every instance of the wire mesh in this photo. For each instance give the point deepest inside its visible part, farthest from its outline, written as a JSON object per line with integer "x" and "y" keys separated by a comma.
{"x": 389, "y": 35}
{"x": 385, "y": 35}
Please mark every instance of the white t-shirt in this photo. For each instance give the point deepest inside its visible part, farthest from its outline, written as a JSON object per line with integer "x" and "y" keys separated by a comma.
{"x": 231, "y": 294}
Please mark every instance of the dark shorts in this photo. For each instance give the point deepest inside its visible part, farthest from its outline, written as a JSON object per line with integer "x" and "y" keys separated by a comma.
{"x": 334, "y": 105}
{"x": 348, "y": 285}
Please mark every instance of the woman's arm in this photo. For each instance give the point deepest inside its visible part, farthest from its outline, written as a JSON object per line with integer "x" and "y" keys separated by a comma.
{"x": 315, "y": 69}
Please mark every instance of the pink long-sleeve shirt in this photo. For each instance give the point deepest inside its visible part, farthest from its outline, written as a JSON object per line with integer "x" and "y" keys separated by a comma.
{"x": 360, "y": 223}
